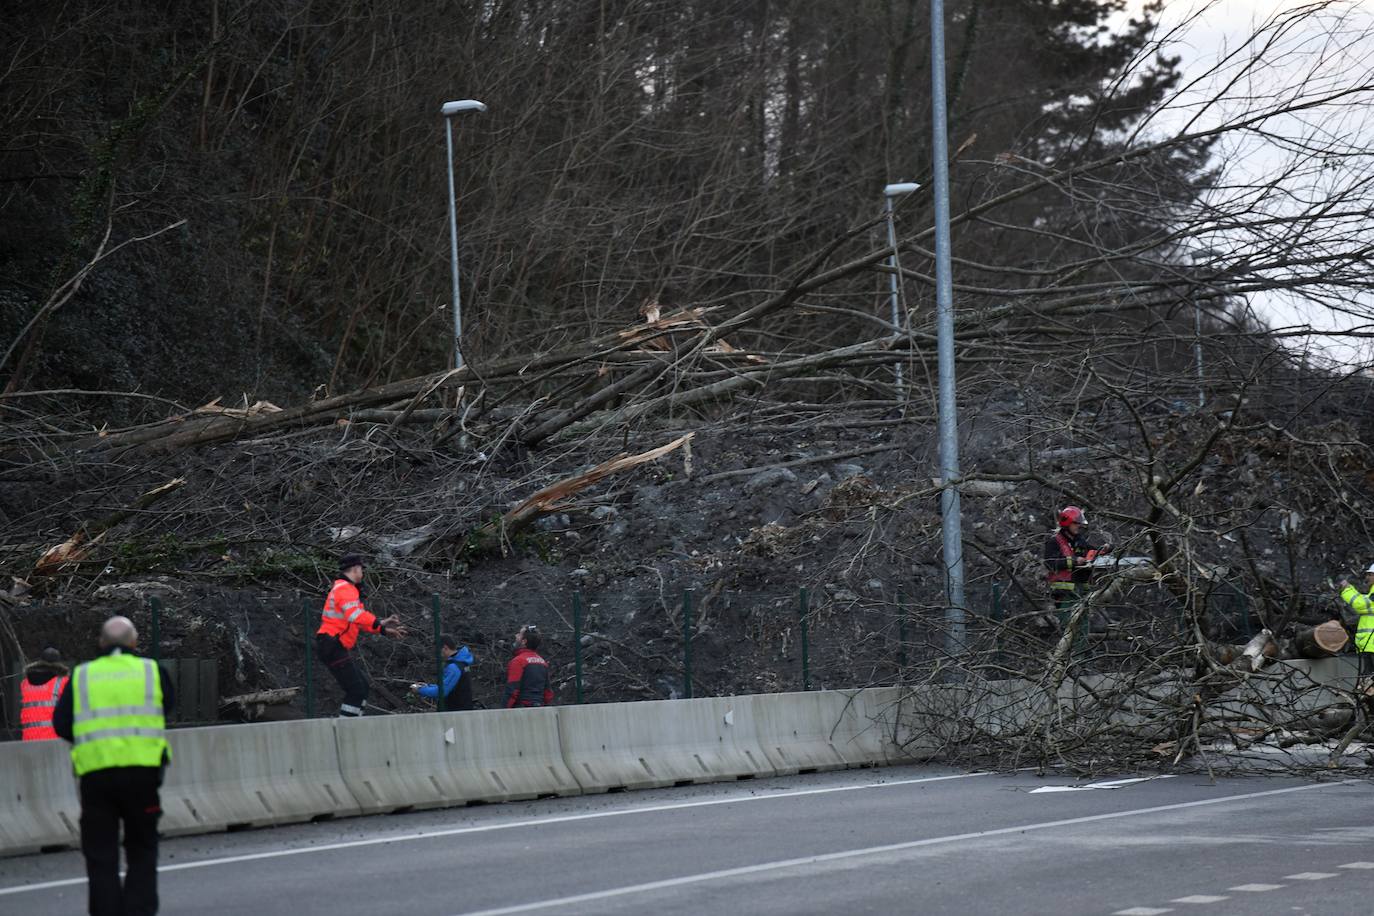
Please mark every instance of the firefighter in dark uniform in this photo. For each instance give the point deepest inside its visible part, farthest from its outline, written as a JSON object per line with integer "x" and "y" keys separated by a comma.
{"x": 1068, "y": 559}
{"x": 114, "y": 711}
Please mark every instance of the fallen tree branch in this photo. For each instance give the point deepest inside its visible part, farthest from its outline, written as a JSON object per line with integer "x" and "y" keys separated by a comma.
{"x": 552, "y": 498}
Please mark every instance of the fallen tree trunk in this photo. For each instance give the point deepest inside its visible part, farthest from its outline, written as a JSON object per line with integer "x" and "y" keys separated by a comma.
{"x": 1321, "y": 641}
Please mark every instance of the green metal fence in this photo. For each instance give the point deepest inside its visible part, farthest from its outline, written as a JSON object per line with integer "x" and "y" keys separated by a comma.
{"x": 686, "y": 641}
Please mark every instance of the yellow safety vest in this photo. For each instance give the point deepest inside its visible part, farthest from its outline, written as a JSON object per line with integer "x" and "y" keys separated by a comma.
{"x": 117, "y": 717}
{"x": 1362, "y": 604}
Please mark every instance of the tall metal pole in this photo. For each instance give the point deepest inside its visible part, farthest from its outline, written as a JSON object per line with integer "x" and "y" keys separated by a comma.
{"x": 892, "y": 286}
{"x": 944, "y": 327}
{"x": 453, "y": 248}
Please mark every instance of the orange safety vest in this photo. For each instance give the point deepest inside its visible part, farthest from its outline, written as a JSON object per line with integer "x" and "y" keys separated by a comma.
{"x": 344, "y": 614}
{"x": 36, "y": 705}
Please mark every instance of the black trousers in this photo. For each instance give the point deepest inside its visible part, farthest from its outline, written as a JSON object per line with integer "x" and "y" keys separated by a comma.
{"x": 109, "y": 798}
{"x": 344, "y": 667}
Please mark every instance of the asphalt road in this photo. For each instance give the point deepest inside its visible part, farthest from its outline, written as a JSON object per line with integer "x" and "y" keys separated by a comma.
{"x": 910, "y": 840}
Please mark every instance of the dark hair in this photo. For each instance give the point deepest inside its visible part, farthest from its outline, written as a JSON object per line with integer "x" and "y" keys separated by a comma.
{"x": 532, "y": 638}
{"x": 448, "y": 642}
{"x": 348, "y": 561}
{"x": 51, "y": 655}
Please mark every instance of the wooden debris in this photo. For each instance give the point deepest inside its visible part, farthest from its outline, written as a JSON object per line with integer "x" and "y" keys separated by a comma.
{"x": 251, "y": 707}
{"x": 1258, "y": 650}
{"x": 75, "y": 548}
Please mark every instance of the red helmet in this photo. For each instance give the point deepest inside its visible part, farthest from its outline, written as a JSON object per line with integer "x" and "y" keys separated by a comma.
{"x": 1071, "y": 515}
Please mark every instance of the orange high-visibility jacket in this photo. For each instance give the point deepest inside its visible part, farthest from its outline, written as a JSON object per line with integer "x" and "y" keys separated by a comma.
{"x": 36, "y": 705}
{"x": 344, "y": 615}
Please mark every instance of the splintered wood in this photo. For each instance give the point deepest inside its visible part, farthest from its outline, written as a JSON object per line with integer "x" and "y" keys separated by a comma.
{"x": 551, "y": 498}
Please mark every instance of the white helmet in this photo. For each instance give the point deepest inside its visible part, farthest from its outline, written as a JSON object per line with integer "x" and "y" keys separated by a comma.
{"x": 1370, "y": 569}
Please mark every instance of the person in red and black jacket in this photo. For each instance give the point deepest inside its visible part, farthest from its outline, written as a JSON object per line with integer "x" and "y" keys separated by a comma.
{"x": 527, "y": 675}
{"x": 1068, "y": 558}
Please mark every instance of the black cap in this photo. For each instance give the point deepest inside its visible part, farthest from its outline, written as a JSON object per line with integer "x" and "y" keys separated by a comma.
{"x": 349, "y": 560}
{"x": 448, "y": 641}
{"x": 51, "y": 655}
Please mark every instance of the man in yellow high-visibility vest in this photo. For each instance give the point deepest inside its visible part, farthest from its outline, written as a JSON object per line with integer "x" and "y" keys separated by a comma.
{"x": 1362, "y": 603}
{"x": 113, "y": 711}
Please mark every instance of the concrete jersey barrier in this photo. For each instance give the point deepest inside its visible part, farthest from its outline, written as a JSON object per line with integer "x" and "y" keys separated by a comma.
{"x": 895, "y": 725}
{"x": 806, "y": 732}
{"x": 436, "y": 760}
{"x": 660, "y": 743}
{"x": 253, "y": 776}
{"x": 39, "y": 807}
{"x": 284, "y": 772}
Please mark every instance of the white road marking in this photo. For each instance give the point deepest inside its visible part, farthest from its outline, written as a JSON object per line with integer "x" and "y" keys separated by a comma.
{"x": 1255, "y": 888}
{"x": 1357, "y": 865}
{"x": 744, "y": 870}
{"x": 1201, "y": 898}
{"x": 504, "y": 825}
{"x": 1113, "y": 784}
{"x": 1310, "y": 876}
{"x": 1142, "y": 911}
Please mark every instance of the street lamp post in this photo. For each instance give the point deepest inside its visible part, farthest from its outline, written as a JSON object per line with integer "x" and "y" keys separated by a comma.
{"x": 896, "y": 190}
{"x": 449, "y": 110}
{"x": 951, "y": 521}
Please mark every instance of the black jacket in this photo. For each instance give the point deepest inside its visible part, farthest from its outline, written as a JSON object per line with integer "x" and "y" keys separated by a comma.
{"x": 460, "y": 697}
{"x": 39, "y": 673}
{"x": 62, "y": 715}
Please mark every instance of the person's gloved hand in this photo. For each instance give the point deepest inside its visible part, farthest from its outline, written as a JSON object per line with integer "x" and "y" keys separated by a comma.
{"x": 1342, "y": 583}
{"x": 1090, "y": 555}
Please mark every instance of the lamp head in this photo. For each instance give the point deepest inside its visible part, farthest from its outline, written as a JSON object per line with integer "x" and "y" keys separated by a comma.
{"x": 899, "y": 189}
{"x": 462, "y": 105}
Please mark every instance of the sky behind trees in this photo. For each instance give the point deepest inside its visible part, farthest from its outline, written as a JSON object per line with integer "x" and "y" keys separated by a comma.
{"x": 1322, "y": 46}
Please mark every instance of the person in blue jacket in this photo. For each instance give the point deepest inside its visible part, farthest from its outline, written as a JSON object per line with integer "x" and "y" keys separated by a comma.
{"x": 457, "y": 684}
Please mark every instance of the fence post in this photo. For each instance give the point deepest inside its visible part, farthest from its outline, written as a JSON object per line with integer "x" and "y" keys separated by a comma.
{"x": 438, "y": 656}
{"x": 901, "y": 637}
{"x": 155, "y": 605}
{"x": 577, "y": 645}
{"x": 309, "y": 660}
{"x": 687, "y": 643}
{"x": 997, "y": 620}
{"x": 802, "y": 613}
